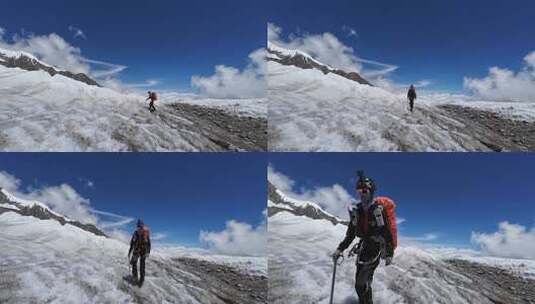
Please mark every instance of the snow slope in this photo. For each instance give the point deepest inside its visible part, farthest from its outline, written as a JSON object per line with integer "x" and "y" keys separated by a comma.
{"x": 43, "y": 113}
{"x": 312, "y": 111}
{"x": 42, "y": 261}
{"x": 300, "y": 268}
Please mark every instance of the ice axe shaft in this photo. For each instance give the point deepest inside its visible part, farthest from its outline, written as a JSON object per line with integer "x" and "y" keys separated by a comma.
{"x": 332, "y": 283}
{"x": 335, "y": 259}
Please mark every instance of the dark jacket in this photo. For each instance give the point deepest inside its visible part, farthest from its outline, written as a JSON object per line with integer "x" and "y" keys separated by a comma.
{"x": 412, "y": 93}
{"x": 375, "y": 237}
{"x": 140, "y": 242}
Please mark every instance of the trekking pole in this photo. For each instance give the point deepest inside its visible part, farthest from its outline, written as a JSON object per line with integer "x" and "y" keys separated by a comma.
{"x": 335, "y": 259}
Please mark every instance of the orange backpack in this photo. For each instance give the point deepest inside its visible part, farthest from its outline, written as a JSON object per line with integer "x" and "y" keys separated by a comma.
{"x": 143, "y": 237}
{"x": 390, "y": 207}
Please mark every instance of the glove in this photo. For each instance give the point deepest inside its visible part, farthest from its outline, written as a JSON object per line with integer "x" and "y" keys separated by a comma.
{"x": 388, "y": 261}
{"x": 337, "y": 253}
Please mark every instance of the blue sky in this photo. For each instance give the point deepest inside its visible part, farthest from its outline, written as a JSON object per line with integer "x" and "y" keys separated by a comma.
{"x": 164, "y": 40}
{"x": 178, "y": 194}
{"x": 170, "y": 41}
{"x": 448, "y": 194}
{"x": 442, "y": 41}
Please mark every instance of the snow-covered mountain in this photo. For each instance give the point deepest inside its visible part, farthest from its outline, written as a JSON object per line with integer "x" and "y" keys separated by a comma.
{"x": 10, "y": 203}
{"x": 279, "y": 202}
{"x": 26, "y": 61}
{"x": 300, "y": 266}
{"x": 304, "y": 61}
{"x": 44, "y": 108}
{"x": 47, "y": 258}
{"x": 314, "y": 107}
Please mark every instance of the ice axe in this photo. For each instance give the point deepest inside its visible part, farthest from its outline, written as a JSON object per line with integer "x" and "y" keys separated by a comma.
{"x": 335, "y": 260}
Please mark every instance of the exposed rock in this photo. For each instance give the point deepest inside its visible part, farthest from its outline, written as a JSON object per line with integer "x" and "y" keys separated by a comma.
{"x": 227, "y": 284}
{"x": 499, "y": 285}
{"x": 230, "y": 132}
{"x": 493, "y": 131}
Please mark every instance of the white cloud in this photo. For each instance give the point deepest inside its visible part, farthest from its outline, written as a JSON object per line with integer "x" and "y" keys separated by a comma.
{"x": 238, "y": 239}
{"x": 506, "y": 85}
{"x": 427, "y": 237}
{"x": 333, "y": 199}
{"x": 158, "y": 236}
{"x": 400, "y": 220}
{"x": 530, "y": 62}
{"x": 423, "y": 83}
{"x": 54, "y": 50}
{"x": 147, "y": 84}
{"x": 2, "y": 32}
{"x": 230, "y": 82}
{"x": 511, "y": 240}
{"x": 110, "y": 69}
{"x": 9, "y": 182}
{"x": 279, "y": 180}
{"x": 401, "y": 88}
{"x": 62, "y": 199}
{"x": 77, "y": 32}
{"x": 51, "y": 49}
{"x": 116, "y": 85}
{"x": 329, "y": 50}
{"x": 119, "y": 220}
{"x": 65, "y": 200}
{"x": 119, "y": 234}
{"x": 351, "y": 32}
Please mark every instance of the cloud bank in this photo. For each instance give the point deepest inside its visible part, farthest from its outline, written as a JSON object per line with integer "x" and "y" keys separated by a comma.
{"x": 328, "y": 49}
{"x": 505, "y": 84}
{"x": 510, "y": 241}
{"x": 230, "y": 82}
{"x": 237, "y": 238}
